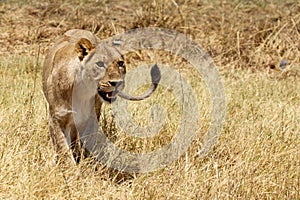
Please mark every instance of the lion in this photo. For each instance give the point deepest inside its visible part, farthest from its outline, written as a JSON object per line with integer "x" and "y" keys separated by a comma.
{"x": 79, "y": 60}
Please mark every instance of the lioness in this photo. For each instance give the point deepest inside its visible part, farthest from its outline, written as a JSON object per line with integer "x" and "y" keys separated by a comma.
{"x": 78, "y": 59}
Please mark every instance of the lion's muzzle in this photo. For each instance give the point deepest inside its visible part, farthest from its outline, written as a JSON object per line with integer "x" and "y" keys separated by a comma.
{"x": 108, "y": 91}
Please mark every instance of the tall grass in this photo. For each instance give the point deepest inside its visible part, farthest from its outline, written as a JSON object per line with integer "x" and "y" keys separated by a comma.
{"x": 258, "y": 153}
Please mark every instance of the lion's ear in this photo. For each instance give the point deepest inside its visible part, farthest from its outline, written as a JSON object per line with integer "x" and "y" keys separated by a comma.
{"x": 83, "y": 47}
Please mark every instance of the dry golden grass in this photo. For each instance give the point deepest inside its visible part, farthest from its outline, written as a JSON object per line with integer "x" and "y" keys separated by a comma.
{"x": 258, "y": 153}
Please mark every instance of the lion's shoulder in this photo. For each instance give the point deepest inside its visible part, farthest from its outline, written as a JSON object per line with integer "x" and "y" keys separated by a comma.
{"x": 61, "y": 61}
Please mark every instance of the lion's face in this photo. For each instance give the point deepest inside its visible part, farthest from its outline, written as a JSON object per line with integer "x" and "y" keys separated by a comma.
{"x": 102, "y": 66}
{"x": 112, "y": 81}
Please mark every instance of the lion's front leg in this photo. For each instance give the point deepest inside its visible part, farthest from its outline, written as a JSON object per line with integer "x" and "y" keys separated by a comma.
{"x": 98, "y": 104}
{"x": 62, "y": 149}
{"x": 76, "y": 147}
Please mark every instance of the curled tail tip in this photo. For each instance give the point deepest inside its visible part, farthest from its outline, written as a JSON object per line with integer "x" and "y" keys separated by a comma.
{"x": 155, "y": 74}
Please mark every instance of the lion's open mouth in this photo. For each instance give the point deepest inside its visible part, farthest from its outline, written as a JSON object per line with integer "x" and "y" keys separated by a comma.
{"x": 108, "y": 96}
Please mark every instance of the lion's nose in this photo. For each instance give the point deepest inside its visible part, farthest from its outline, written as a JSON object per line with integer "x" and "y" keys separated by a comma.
{"x": 115, "y": 83}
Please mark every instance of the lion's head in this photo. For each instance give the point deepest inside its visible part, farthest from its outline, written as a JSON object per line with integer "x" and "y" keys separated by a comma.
{"x": 103, "y": 67}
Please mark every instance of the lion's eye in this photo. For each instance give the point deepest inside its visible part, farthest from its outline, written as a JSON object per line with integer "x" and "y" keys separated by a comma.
{"x": 121, "y": 63}
{"x": 100, "y": 64}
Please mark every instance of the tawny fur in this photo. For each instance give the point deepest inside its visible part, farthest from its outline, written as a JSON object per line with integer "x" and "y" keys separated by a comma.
{"x": 72, "y": 59}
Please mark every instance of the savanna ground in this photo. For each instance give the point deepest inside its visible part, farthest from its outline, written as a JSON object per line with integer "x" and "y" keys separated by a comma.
{"x": 258, "y": 153}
